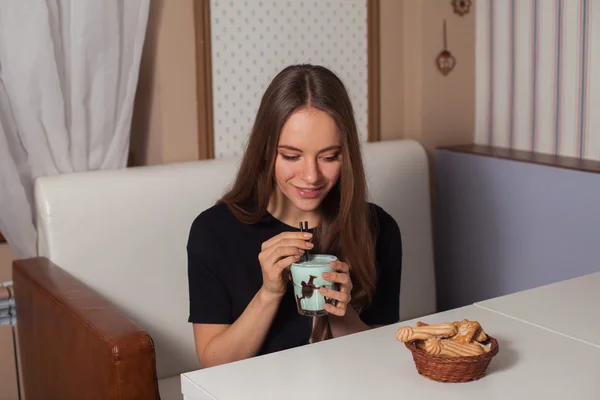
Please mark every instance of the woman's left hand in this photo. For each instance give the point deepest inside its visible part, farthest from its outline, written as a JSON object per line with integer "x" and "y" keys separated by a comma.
{"x": 343, "y": 295}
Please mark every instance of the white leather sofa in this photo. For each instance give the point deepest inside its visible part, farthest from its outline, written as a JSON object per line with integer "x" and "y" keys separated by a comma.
{"x": 123, "y": 235}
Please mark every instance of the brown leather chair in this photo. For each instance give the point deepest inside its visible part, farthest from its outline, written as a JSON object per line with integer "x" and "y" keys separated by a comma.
{"x": 74, "y": 344}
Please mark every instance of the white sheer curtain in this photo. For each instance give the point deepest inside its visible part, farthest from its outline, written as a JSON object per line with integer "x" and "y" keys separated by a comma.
{"x": 68, "y": 76}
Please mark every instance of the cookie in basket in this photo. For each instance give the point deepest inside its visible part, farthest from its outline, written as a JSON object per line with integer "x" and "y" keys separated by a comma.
{"x": 468, "y": 331}
{"x": 424, "y": 332}
{"x": 458, "y": 351}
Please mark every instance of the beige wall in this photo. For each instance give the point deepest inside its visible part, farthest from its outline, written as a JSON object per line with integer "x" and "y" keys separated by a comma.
{"x": 416, "y": 100}
{"x": 164, "y": 126}
{"x": 391, "y": 69}
{"x": 448, "y": 102}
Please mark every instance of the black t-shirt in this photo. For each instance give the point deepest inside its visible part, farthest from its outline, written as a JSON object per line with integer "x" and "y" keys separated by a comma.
{"x": 224, "y": 274}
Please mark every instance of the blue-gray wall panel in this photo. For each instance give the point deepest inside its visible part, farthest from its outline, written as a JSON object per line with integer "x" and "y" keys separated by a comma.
{"x": 504, "y": 226}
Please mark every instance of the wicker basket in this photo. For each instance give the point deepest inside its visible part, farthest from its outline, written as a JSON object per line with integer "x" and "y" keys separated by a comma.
{"x": 452, "y": 369}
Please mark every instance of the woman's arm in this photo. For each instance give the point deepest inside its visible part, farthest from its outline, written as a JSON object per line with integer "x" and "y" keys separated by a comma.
{"x": 218, "y": 338}
{"x": 219, "y": 343}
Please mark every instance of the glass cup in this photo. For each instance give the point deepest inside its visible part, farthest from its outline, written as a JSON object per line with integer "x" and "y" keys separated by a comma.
{"x": 308, "y": 279}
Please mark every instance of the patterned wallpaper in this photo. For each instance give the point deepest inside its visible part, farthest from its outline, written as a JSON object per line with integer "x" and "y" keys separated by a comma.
{"x": 252, "y": 40}
{"x": 536, "y": 89}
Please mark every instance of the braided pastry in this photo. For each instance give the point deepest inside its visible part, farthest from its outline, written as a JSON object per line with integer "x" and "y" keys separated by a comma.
{"x": 454, "y": 349}
{"x": 408, "y": 334}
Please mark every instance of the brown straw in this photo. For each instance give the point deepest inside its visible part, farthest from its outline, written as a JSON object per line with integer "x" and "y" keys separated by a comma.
{"x": 304, "y": 229}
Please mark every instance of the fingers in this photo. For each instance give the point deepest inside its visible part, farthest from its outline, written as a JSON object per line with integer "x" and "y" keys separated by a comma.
{"x": 279, "y": 253}
{"x": 337, "y": 277}
{"x": 286, "y": 262}
{"x": 284, "y": 248}
{"x": 301, "y": 236}
{"x": 287, "y": 243}
{"x": 342, "y": 277}
{"x": 340, "y": 266}
{"x": 299, "y": 243}
{"x": 344, "y": 297}
{"x": 339, "y": 311}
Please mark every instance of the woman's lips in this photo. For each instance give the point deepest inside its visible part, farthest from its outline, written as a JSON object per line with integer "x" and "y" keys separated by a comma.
{"x": 307, "y": 193}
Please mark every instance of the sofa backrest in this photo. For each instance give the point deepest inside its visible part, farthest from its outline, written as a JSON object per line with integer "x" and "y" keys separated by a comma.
{"x": 124, "y": 232}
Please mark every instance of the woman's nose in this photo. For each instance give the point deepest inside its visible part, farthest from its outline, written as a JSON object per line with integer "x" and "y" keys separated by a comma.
{"x": 310, "y": 172}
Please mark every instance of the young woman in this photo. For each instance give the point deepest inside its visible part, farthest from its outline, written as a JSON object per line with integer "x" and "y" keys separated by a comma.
{"x": 303, "y": 163}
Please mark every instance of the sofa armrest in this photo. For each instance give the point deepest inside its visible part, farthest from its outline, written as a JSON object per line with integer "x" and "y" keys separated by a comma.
{"x": 74, "y": 344}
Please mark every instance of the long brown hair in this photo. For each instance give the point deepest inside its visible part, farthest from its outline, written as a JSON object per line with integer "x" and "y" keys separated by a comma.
{"x": 346, "y": 227}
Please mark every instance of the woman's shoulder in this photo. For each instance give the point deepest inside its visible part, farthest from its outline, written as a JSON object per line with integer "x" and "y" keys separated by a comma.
{"x": 212, "y": 221}
{"x": 213, "y": 214}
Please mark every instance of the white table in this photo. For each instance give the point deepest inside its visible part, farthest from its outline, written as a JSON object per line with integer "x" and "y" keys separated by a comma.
{"x": 570, "y": 307}
{"x": 374, "y": 365}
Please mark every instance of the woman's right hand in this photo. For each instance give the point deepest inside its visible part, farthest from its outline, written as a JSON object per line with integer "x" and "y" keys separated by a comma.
{"x": 277, "y": 254}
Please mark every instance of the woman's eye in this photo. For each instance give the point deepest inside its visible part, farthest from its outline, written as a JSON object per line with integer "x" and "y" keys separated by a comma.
{"x": 332, "y": 157}
{"x": 289, "y": 158}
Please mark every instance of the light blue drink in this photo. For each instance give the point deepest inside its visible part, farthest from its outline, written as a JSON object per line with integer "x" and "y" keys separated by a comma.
{"x": 308, "y": 279}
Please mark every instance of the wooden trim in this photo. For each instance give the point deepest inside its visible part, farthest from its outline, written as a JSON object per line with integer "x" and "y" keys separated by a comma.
{"x": 130, "y": 160}
{"x": 2, "y": 238}
{"x": 204, "y": 79}
{"x": 373, "y": 44}
{"x": 551, "y": 160}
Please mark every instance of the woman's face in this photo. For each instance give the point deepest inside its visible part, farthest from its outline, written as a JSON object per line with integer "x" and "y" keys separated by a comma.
{"x": 309, "y": 158}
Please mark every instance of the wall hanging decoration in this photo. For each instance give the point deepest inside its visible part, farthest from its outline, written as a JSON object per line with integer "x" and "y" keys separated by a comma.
{"x": 461, "y": 7}
{"x": 445, "y": 61}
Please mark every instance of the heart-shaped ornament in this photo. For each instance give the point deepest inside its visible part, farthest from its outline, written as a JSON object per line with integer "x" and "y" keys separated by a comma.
{"x": 445, "y": 61}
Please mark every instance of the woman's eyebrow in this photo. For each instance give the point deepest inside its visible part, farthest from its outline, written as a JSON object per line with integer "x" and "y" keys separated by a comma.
{"x": 286, "y": 147}
{"x": 283, "y": 146}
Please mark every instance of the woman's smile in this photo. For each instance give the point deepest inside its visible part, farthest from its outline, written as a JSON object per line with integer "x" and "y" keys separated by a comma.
{"x": 309, "y": 193}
